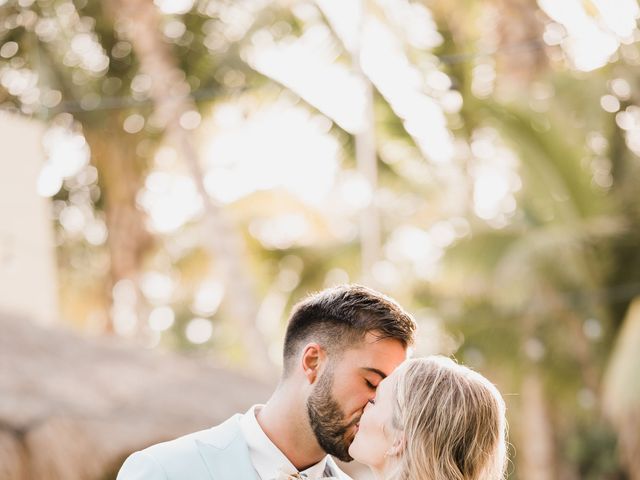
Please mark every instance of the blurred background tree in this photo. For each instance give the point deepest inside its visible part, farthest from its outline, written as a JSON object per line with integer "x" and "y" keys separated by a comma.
{"x": 211, "y": 161}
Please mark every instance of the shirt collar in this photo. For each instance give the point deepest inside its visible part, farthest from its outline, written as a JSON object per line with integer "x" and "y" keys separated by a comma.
{"x": 267, "y": 459}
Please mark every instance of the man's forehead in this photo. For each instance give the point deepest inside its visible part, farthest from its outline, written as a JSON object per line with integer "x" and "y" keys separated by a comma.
{"x": 375, "y": 371}
{"x": 380, "y": 357}
{"x": 374, "y": 338}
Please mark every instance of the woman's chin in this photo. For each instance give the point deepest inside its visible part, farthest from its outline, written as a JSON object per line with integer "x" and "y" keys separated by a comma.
{"x": 351, "y": 454}
{"x": 353, "y": 448}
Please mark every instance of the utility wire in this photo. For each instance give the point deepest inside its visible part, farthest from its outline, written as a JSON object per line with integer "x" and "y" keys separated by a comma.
{"x": 124, "y": 102}
{"x": 510, "y": 49}
{"x": 117, "y": 103}
{"x": 613, "y": 293}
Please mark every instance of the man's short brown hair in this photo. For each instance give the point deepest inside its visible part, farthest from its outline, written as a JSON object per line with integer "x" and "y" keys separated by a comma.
{"x": 340, "y": 317}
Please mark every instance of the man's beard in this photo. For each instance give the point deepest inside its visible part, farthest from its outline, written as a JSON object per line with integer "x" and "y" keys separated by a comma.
{"x": 327, "y": 420}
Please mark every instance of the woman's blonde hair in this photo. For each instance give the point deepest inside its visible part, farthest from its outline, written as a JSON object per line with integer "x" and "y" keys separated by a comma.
{"x": 452, "y": 420}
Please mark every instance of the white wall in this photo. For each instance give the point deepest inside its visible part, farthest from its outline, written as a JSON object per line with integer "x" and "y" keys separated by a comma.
{"x": 27, "y": 254}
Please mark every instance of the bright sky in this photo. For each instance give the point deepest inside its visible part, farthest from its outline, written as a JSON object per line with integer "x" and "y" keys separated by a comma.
{"x": 252, "y": 144}
{"x": 594, "y": 29}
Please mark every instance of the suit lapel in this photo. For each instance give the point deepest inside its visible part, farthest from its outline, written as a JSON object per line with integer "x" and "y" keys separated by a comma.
{"x": 231, "y": 463}
{"x": 332, "y": 470}
{"x": 225, "y": 453}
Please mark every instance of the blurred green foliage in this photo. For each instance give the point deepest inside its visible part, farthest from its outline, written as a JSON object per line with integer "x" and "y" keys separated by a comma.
{"x": 538, "y": 288}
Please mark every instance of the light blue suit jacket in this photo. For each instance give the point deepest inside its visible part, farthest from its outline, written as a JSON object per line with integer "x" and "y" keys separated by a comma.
{"x": 219, "y": 453}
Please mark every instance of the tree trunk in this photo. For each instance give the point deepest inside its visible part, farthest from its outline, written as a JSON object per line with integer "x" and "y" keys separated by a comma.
{"x": 367, "y": 162}
{"x": 536, "y": 444}
{"x": 120, "y": 177}
{"x": 170, "y": 95}
{"x": 520, "y": 54}
{"x": 621, "y": 392}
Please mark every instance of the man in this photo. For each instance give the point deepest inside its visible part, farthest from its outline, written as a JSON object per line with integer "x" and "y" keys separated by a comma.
{"x": 340, "y": 343}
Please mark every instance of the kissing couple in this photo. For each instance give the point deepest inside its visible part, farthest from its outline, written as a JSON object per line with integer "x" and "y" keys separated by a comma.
{"x": 348, "y": 390}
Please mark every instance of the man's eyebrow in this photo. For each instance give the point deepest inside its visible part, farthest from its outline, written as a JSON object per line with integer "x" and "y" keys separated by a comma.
{"x": 376, "y": 371}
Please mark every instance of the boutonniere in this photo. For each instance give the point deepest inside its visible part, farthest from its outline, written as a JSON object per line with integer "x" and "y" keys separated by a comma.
{"x": 284, "y": 475}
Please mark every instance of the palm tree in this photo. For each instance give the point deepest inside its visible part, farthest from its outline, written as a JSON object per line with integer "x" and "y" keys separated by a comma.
{"x": 118, "y": 155}
{"x": 533, "y": 276}
{"x": 157, "y": 60}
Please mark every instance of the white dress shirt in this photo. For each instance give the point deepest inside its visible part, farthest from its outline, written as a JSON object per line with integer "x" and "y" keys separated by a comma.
{"x": 266, "y": 458}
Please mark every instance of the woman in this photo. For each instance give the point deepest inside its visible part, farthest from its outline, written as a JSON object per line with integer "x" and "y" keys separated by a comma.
{"x": 433, "y": 419}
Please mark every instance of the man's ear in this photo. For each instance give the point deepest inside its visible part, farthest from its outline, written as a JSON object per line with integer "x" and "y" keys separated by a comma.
{"x": 313, "y": 356}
